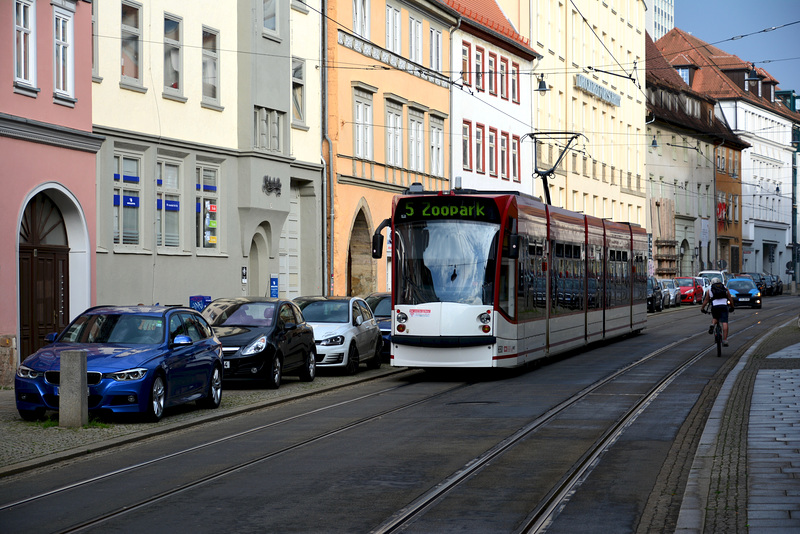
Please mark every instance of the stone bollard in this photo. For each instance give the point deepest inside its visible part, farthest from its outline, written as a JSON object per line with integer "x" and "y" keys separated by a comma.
{"x": 73, "y": 409}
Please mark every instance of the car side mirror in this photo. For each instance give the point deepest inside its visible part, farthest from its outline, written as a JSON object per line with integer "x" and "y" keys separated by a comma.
{"x": 359, "y": 320}
{"x": 181, "y": 341}
{"x": 51, "y": 337}
{"x": 289, "y": 326}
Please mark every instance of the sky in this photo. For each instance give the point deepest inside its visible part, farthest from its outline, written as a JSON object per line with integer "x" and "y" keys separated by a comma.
{"x": 777, "y": 51}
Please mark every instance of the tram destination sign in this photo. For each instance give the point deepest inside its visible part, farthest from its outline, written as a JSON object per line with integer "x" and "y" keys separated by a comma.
{"x": 428, "y": 208}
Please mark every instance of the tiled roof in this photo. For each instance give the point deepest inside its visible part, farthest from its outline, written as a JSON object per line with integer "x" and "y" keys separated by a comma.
{"x": 488, "y": 15}
{"x": 661, "y": 75}
{"x": 684, "y": 49}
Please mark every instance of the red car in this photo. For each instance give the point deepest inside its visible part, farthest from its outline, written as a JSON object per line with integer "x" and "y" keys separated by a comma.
{"x": 691, "y": 291}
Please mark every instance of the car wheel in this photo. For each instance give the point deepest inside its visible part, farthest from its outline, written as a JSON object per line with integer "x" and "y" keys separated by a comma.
{"x": 309, "y": 367}
{"x": 213, "y": 396}
{"x": 352, "y": 361}
{"x": 158, "y": 397}
{"x": 32, "y": 415}
{"x": 375, "y": 361}
{"x": 274, "y": 377}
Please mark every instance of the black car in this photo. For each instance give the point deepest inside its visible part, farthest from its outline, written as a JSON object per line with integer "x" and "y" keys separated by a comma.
{"x": 655, "y": 298}
{"x": 381, "y": 304}
{"x": 263, "y": 338}
{"x": 778, "y": 285}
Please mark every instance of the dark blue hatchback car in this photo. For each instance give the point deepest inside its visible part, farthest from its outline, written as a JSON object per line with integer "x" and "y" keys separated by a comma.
{"x": 139, "y": 360}
{"x": 381, "y": 304}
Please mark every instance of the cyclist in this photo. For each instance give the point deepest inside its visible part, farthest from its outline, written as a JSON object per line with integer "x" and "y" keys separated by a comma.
{"x": 719, "y": 299}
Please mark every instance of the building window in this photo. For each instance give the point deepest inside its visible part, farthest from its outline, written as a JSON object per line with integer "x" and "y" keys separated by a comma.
{"x": 516, "y": 162}
{"x": 173, "y": 55}
{"x": 206, "y": 202}
{"x": 394, "y": 134}
{"x": 515, "y": 83}
{"x": 466, "y": 145}
{"x": 268, "y": 129}
{"x": 480, "y": 131}
{"x": 298, "y": 90}
{"x": 210, "y": 66}
{"x": 25, "y": 42}
{"x": 415, "y": 40}
{"x": 63, "y": 60}
{"x": 416, "y": 141}
{"x": 168, "y": 204}
{"x": 363, "y": 125}
{"x": 466, "y": 67}
{"x": 270, "y": 16}
{"x": 127, "y": 193}
{"x": 393, "y": 29}
{"x": 504, "y": 78}
{"x": 492, "y": 73}
{"x": 479, "y": 68}
{"x": 437, "y": 146}
{"x": 361, "y": 18}
{"x": 436, "y": 49}
{"x": 131, "y": 43}
{"x": 684, "y": 73}
{"x": 504, "y": 155}
{"x": 492, "y": 152}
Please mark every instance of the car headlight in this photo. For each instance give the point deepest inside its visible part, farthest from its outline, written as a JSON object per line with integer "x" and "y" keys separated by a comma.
{"x": 758, "y": 294}
{"x": 27, "y": 372}
{"x": 128, "y": 374}
{"x": 335, "y": 340}
{"x": 255, "y": 347}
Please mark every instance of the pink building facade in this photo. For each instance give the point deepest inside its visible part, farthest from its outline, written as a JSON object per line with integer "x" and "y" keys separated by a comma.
{"x": 47, "y": 168}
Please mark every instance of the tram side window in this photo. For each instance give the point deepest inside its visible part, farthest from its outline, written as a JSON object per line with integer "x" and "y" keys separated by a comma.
{"x": 611, "y": 279}
{"x": 639, "y": 278}
{"x": 594, "y": 278}
{"x": 508, "y": 277}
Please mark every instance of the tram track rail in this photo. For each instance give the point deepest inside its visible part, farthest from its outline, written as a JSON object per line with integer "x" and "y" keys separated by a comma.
{"x": 537, "y": 521}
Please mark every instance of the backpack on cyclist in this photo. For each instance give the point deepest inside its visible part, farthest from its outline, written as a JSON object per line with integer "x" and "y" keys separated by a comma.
{"x": 718, "y": 291}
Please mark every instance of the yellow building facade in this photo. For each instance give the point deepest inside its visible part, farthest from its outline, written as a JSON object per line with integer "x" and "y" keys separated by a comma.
{"x": 385, "y": 125}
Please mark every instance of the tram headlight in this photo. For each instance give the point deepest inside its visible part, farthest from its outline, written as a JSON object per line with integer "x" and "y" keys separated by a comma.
{"x": 484, "y": 318}
{"x": 401, "y": 317}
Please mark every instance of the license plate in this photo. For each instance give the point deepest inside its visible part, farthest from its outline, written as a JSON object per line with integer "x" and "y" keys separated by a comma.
{"x": 226, "y": 365}
{"x": 744, "y": 300}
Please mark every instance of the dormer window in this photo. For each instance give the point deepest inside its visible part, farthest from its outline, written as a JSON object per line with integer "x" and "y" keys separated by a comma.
{"x": 684, "y": 73}
{"x": 772, "y": 93}
{"x": 759, "y": 89}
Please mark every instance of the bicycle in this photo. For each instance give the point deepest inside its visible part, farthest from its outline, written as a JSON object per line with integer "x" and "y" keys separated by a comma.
{"x": 717, "y": 334}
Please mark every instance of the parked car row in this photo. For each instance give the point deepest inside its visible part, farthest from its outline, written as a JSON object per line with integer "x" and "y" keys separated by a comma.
{"x": 143, "y": 359}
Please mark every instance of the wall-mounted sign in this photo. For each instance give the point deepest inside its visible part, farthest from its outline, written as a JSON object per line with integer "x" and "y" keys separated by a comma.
{"x": 273, "y": 286}
{"x": 594, "y": 88}
{"x": 271, "y": 185}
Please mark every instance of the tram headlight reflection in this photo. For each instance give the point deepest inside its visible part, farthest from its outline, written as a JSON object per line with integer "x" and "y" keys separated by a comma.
{"x": 485, "y": 318}
{"x": 402, "y": 317}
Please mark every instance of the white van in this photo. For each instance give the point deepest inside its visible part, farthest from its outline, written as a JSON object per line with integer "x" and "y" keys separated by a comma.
{"x": 722, "y": 275}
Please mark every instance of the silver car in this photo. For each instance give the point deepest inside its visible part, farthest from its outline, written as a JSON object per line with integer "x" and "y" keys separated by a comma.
{"x": 668, "y": 287}
{"x": 345, "y": 330}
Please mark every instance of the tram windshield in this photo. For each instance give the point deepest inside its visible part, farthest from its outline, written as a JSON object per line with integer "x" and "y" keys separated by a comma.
{"x": 445, "y": 261}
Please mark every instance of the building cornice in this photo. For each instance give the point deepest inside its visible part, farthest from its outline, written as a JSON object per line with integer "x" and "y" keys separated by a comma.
{"x": 49, "y": 134}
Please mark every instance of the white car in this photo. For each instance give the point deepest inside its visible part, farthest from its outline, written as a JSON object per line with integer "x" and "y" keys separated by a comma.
{"x": 705, "y": 283}
{"x": 345, "y": 330}
{"x": 668, "y": 286}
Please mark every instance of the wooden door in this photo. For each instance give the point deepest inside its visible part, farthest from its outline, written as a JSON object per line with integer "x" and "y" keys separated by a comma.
{"x": 43, "y": 272}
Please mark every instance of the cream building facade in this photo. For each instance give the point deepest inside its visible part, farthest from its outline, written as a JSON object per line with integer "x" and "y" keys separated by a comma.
{"x": 594, "y": 67}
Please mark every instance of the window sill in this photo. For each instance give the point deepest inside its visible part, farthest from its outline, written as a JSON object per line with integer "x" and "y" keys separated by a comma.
{"x": 205, "y": 254}
{"x": 135, "y": 251}
{"x": 300, "y": 126}
{"x": 64, "y": 100}
{"x": 162, "y": 251}
{"x": 172, "y": 96}
{"x": 211, "y": 106}
{"x": 267, "y": 34}
{"x": 26, "y": 90}
{"x": 97, "y": 79}
{"x": 131, "y": 87}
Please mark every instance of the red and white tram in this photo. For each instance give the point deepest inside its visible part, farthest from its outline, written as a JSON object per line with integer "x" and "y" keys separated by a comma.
{"x": 501, "y": 279}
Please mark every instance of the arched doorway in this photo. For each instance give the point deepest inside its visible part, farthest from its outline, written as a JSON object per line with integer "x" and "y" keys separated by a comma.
{"x": 686, "y": 259}
{"x": 43, "y": 272}
{"x": 360, "y": 265}
{"x": 258, "y": 263}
